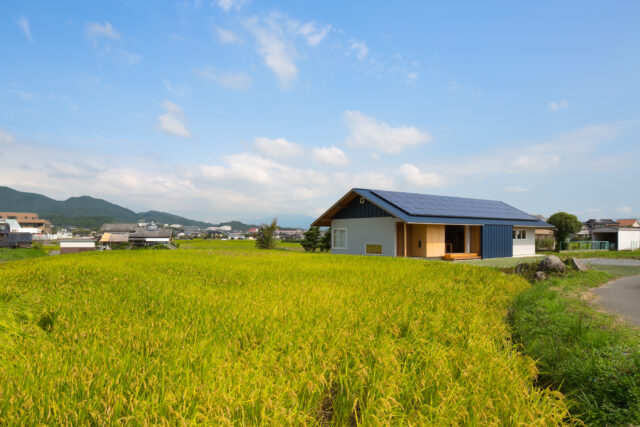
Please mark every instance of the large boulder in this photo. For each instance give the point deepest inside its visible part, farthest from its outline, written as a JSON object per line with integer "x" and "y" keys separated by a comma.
{"x": 578, "y": 265}
{"x": 553, "y": 263}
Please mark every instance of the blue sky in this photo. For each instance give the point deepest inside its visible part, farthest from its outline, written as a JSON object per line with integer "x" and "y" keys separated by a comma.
{"x": 233, "y": 109}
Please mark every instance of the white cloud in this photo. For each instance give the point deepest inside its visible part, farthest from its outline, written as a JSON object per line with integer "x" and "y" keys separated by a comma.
{"x": 331, "y": 156}
{"x": 313, "y": 32}
{"x": 180, "y": 91}
{"x": 172, "y": 121}
{"x": 23, "y": 23}
{"x": 96, "y": 29}
{"x": 515, "y": 189}
{"x": 278, "y": 148}
{"x": 226, "y": 36}
{"x": 368, "y": 132}
{"x": 625, "y": 209}
{"x": 22, "y": 95}
{"x": 276, "y": 51}
{"x": 556, "y": 106}
{"x": 227, "y": 5}
{"x": 360, "y": 48}
{"x": 411, "y": 76}
{"x": 122, "y": 57}
{"x": 236, "y": 81}
{"x": 6, "y": 137}
{"x": 414, "y": 176}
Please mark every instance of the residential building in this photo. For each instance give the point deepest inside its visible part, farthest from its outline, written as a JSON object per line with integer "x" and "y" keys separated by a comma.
{"x": 390, "y": 223}
{"x": 633, "y": 222}
{"x": 74, "y": 246}
{"x": 28, "y": 220}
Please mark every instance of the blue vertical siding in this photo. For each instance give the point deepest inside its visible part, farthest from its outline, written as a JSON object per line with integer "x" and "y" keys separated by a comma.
{"x": 497, "y": 241}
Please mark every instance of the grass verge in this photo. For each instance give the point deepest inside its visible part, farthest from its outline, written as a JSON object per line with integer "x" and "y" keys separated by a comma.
{"x": 596, "y": 254}
{"x": 587, "y": 355}
{"x": 10, "y": 254}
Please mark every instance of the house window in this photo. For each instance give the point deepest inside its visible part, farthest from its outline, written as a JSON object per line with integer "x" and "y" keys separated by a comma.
{"x": 519, "y": 234}
{"x": 339, "y": 238}
{"x": 373, "y": 249}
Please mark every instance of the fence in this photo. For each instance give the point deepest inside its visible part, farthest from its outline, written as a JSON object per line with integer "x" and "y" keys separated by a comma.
{"x": 585, "y": 246}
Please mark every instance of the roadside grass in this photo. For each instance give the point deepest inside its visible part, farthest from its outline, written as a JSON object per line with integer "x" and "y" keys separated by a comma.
{"x": 231, "y": 244}
{"x": 589, "y": 356}
{"x": 596, "y": 254}
{"x": 11, "y": 254}
{"x": 232, "y": 335}
{"x": 617, "y": 270}
{"x": 503, "y": 262}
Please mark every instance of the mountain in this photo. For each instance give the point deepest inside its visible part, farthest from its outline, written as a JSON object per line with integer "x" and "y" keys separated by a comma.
{"x": 82, "y": 211}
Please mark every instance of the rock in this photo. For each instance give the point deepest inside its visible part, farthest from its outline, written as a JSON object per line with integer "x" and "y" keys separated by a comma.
{"x": 553, "y": 263}
{"x": 520, "y": 268}
{"x": 578, "y": 265}
{"x": 541, "y": 275}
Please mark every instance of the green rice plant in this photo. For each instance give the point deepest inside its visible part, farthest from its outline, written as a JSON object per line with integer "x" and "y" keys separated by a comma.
{"x": 220, "y": 333}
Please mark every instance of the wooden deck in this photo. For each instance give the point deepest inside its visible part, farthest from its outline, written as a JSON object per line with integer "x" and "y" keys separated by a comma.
{"x": 454, "y": 257}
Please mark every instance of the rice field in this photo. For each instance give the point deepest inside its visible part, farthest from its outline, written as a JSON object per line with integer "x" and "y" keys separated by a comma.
{"x": 218, "y": 333}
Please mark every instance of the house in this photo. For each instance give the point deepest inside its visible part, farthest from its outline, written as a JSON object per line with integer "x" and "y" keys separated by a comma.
{"x": 390, "y": 223}
{"x": 74, "y": 246}
{"x": 13, "y": 239}
{"x": 28, "y": 220}
{"x": 634, "y": 223}
{"x": 622, "y": 238}
{"x": 134, "y": 235}
{"x": 142, "y": 237}
{"x": 118, "y": 228}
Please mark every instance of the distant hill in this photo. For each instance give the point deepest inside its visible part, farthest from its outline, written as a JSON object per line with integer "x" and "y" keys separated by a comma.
{"x": 83, "y": 211}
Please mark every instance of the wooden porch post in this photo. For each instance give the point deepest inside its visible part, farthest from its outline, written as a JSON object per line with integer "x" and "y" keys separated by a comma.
{"x": 405, "y": 239}
{"x": 467, "y": 239}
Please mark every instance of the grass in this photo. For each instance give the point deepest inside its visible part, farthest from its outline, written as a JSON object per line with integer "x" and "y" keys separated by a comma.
{"x": 10, "y": 254}
{"x": 585, "y": 354}
{"x": 617, "y": 270}
{"x": 503, "y": 262}
{"x": 597, "y": 254}
{"x": 227, "y": 334}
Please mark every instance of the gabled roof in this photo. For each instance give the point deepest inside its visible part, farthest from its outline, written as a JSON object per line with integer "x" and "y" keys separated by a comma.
{"x": 627, "y": 222}
{"x": 417, "y": 208}
{"x": 119, "y": 228}
{"x": 142, "y": 233}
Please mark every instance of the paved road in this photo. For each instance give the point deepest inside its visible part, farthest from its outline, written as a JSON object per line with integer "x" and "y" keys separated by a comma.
{"x": 621, "y": 296}
{"x": 613, "y": 261}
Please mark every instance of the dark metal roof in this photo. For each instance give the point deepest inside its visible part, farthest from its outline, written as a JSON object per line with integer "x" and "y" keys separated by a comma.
{"x": 426, "y": 209}
{"x": 445, "y": 206}
{"x": 119, "y": 228}
{"x": 142, "y": 233}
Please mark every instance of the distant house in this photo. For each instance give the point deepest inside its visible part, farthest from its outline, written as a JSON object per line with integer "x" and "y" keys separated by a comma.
{"x": 142, "y": 237}
{"x": 118, "y": 228}
{"x": 390, "y": 223}
{"x": 28, "y": 220}
{"x": 134, "y": 235}
{"x": 74, "y": 246}
{"x": 13, "y": 239}
{"x": 634, "y": 223}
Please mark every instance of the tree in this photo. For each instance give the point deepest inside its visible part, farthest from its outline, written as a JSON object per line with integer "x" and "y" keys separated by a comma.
{"x": 325, "y": 241}
{"x": 565, "y": 225}
{"x": 266, "y": 237}
{"x": 311, "y": 239}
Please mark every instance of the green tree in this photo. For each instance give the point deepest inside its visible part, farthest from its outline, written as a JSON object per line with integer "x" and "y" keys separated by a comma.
{"x": 311, "y": 239}
{"x": 266, "y": 237}
{"x": 325, "y": 241}
{"x": 565, "y": 225}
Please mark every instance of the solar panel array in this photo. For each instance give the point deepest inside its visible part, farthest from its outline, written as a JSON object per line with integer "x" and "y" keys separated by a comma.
{"x": 429, "y": 205}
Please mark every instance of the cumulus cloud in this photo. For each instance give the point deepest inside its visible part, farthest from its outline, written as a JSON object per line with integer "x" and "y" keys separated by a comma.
{"x": 371, "y": 133}
{"x": 96, "y": 29}
{"x": 226, "y": 36}
{"x": 278, "y": 148}
{"x": 236, "y": 81}
{"x": 414, "y": 176}
{"x": 360, "y": 49}
{"x": 313, "y": 32}
{"x": 6, "y": 137}
{"x": 172, "y": 121}
{"x": 23, "y": 23}
{"x": 331, "y": 156}
{"x": 557, "y": 106}
{"x": 277, "y": 52}
{"x": 227, "y": 5}
{"x": 515, "y": 189}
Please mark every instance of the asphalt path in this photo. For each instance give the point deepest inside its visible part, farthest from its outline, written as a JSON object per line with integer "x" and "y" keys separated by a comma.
{"x": 620, "y": 296}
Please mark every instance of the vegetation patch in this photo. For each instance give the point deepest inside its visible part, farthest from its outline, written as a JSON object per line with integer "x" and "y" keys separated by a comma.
{"x": 227, "y": 334}
{"x": 587, "y": 355}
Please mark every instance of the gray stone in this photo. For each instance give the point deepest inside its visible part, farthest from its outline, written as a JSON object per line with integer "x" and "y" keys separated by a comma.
{"x": 553, "y": 263}
{"x": 578, "y": 265}
{"x": 541, "y": 275}
{"x": 520, "y": 268}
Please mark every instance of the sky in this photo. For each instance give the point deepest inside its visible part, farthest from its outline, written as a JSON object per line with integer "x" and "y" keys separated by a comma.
{"x": 240, "y": 109}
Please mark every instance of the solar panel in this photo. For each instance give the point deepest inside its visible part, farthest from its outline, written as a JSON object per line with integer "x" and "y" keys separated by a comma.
{"x": 429, "y": 205}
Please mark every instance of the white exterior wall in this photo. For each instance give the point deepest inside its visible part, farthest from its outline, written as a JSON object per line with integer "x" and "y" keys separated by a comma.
{"x": 362, "y": 231}
{"x": 628, "y": 238}
{"x": 525, "y": 247}
{"x": 89, "y": 244}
